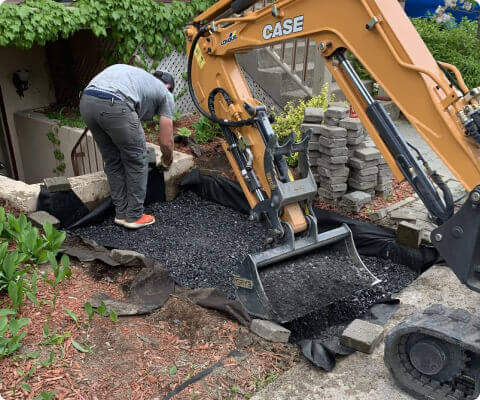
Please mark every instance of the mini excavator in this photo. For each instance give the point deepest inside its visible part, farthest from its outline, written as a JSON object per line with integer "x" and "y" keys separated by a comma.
{"x": 434, "y": 355}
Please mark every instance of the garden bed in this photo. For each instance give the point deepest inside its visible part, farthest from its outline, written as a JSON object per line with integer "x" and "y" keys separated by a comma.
{"x": 68, "y": 353}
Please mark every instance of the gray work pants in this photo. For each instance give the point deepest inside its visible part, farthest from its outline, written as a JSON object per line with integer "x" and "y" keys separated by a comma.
{"x": 119, "y": 135}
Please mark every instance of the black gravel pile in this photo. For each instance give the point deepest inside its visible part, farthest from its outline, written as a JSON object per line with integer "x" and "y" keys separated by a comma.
{"x": 201, "y": 243}
{"x": 311, "y": 282}
{"x": 394, "y": 278}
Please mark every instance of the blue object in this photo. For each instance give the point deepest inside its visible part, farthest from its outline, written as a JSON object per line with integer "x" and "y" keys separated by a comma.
{"x": 100, "y": 94}
{"x": 426, "y": 8}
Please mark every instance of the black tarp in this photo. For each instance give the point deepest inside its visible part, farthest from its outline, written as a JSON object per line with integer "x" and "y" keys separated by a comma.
{"x": 67, "y": 207}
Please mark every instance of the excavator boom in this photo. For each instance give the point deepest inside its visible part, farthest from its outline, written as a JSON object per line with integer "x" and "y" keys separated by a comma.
{"x": 379, "y": 34}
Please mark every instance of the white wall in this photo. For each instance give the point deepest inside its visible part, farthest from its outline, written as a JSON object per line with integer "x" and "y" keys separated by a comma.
{"x": 37, "y": 150}
{"x": 41, "y": 92}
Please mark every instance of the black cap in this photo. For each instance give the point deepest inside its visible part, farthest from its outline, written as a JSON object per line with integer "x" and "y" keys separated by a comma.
{"x": 166, "y": 78}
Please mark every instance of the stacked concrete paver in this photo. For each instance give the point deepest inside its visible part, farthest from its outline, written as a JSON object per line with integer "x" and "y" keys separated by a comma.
{"x": 328, "y": 154}
{"x": 348, "y": 171}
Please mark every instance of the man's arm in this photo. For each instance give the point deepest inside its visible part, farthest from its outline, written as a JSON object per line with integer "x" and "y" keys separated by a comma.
{"x": 166, "y": 140}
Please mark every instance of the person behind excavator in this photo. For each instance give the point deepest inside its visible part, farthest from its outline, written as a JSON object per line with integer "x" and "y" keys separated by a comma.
{"x": 113, "y": 106}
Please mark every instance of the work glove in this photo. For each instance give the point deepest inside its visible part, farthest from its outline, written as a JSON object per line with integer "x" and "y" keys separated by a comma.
{"x": 165, "y": 164}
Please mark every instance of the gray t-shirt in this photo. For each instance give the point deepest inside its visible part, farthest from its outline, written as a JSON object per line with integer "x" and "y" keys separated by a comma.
{"x": 149, "y": 95}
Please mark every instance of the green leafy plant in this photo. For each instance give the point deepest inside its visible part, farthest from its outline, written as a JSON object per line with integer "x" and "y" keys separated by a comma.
{"x": 292, "y": 116}
{"x": 74, "y": 121}
{"x": 60, "y": 272}
{"x": 154, "y": 27}
{"x": 10, "y": 335}
{"x": 89, "y": 310}
{"x": 206, "y": 130}
{"x": 46, "y": 396}
{"x": 456, "y": 44}
{"x": 177, "y": 115}
{"x": 53, "y": 337}
{"x": 82, "y": 349}
{"x": 184, "y": 132}
{"x": 52, "y": 136}
{"x": 172, "y": 370}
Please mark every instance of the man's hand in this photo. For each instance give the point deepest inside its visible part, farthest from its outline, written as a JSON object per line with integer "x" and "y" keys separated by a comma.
{"x": 166, "y": 163}
{"x": 166, "y": 142}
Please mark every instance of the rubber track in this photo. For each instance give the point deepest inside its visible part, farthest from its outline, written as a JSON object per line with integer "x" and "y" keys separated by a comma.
{"x": 455, "y": 326}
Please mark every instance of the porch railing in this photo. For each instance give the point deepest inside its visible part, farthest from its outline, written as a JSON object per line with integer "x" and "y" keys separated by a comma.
{"x": 85, "y": 156}
{"x": 288, "y": 56}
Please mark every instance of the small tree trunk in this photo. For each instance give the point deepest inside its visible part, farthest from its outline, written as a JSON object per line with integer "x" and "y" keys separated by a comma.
{"x": 478, "y": 27}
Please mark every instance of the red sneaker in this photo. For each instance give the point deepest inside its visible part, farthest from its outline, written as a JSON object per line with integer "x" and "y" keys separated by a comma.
{"x": 144, "y": 220}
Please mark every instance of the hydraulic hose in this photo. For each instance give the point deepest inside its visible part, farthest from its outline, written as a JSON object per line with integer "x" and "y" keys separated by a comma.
{"x": 210, "y": 116}
{"x": 437, "y": 179}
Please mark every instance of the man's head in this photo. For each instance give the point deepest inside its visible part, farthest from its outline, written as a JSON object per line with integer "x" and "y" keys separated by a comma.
{"x": 166, "y": 78}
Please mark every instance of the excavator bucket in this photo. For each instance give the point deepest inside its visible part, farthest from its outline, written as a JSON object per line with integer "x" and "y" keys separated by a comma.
{"x": 252, "y": 294}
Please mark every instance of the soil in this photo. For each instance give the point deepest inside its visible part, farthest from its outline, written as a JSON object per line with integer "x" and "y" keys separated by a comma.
{"x": 137, "y": 357}
{"x": 9, "y": 208}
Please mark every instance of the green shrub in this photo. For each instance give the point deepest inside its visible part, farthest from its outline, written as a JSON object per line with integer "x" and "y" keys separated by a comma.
{"x": 454, "y": 44}
{"x": 206, "y": 130}
{"x": 292, "y": 117}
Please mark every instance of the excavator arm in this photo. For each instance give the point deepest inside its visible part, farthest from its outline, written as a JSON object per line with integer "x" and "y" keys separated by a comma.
{"x": 378, "y": 32}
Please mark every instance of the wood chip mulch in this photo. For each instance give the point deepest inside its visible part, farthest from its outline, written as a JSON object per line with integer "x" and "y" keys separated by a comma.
{"x": 137, "y": 357}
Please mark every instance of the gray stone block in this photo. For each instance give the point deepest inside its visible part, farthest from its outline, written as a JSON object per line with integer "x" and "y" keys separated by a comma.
{"x": 331, "y": 142}
{"x": 353, "y": 124}
{"x": 409, "y": 235}
{"x": 355, "y": 141}
{"x": 313, "y": 146}
{"x": 333, "y": 172}
{"x": 333, "y": 151}
{"x": 368, "y": 154}
{"x": 331, "y": 121}
{"x": 403, "y": 215}
{"x": 367, "y": 171}
{"x": 378, "y": 215}
{"x": 340, "y": 104}
{"x": 355, "y": 134}
{"x": 335, "y": 187}
{"x": 363, "y": 178}
{"x": 328, "y": 194}
{"x": 127, "y": 257}
{"x": 384, "y": 166}
{"x": 334, "y": 132}
{"x": 334, "y": 159}
{"x": 38, "y": 218}
{"x": 337, "y": 112}
{"x": 269, "y": 330}
{"x": 361, "y": 185}
{"x": 57, "y": 184}
{"x": 331, "y": 180}
{"x": 381, "y": 187}
{"x": 316, "y": 128}
{"x": 362, "y": 336}
{"x": 314, "y": 115}
{"x": 385, "y": 172}
{"x": 151, "y": 157}
{"x": 384, "y": 179}
{"x": 357, "y": 197}
{"x": 355, "y": 162}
